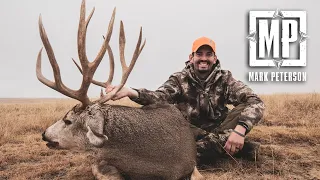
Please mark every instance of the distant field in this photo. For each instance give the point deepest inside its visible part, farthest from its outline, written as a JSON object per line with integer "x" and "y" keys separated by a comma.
{"x": 289, "y": 133}
{"x": 28, "y": 100}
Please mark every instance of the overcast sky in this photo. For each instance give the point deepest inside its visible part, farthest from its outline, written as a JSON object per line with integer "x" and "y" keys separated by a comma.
{"x": 169, "y": 27}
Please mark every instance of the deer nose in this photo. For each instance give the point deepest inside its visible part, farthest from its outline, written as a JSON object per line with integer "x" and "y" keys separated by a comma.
{"x": 44, "y": 136}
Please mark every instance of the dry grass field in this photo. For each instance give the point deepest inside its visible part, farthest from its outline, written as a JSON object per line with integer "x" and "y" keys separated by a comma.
{"x": 289, "y": 134}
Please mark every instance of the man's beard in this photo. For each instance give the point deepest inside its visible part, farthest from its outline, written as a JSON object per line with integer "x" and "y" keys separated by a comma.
{"x": 204, "y": 71}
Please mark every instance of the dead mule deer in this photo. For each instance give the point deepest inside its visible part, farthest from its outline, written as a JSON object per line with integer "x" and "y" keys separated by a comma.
{"x": 152, "y": 142}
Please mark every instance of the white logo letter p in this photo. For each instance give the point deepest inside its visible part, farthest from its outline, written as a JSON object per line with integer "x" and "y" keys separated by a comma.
{"x": 286, "y": 39}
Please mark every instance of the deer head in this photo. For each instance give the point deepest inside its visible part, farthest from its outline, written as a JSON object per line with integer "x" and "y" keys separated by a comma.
{"x": 83, "y": 124}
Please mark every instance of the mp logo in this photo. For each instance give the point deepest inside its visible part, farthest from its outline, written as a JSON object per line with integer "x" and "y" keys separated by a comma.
{"x": 277, "y": 38}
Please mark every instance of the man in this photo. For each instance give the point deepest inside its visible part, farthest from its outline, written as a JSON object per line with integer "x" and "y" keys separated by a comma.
{"x": 201, "y": 91}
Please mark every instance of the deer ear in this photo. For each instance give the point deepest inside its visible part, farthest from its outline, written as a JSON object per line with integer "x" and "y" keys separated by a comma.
{"x": 96, "y": 139}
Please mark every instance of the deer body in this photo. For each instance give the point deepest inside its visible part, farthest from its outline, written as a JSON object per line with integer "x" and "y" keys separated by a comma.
{"x": 154, "y": 142}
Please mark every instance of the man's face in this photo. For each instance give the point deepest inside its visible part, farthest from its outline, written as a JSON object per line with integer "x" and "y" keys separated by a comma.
{"x": 204, "y": 59}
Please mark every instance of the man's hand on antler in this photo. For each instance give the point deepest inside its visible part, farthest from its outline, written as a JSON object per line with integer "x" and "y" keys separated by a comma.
{"x": 124, "y": 92}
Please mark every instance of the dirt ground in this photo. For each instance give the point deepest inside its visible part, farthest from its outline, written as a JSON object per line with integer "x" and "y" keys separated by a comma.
{"x": 289, "y": 134}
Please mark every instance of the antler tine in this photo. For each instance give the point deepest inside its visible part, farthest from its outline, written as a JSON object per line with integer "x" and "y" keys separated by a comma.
{"x": 57, "y": 85}
{"x": 79, "y": 68}
{"x": 93, "y": 81}
{"x": 125, "y": 69}
{"x": 98, "y": 83}
{"x": 92, "y": 66}
{"x": 111, "y": 63}
{"x": 111, "y": 73}
{"x": 89, "y": 17}
{"x": 82, "y": 31}
{"x": 105, "y": 45}
{"x": 51, "y": 56}
{"x": 40, "y": 75}
{"x": 122, "y": 43}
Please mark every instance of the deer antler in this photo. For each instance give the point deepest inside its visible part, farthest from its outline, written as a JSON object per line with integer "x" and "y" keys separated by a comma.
{"x": 125, "y": 69}
{"x": 111, "y": 73}
{"x": 88, "y": 68}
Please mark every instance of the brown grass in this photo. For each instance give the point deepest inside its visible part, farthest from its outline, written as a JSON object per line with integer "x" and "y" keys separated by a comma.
{"x": 289, "y": 133}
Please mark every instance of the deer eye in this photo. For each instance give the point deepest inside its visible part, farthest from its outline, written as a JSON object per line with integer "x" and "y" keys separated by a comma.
{"x": 67, "y": 122}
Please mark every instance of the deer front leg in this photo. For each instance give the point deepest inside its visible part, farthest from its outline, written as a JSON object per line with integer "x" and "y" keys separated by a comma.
{"x": 103, "y": 171}
{"x": 196, "y": 175}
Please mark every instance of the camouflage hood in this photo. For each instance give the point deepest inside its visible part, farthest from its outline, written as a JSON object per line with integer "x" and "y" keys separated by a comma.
{"x": 209, "y": 80}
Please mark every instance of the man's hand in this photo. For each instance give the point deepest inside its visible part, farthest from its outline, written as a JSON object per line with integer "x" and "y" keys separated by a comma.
{"x": 124, "y": 92}
{"x": 235, "y": 141}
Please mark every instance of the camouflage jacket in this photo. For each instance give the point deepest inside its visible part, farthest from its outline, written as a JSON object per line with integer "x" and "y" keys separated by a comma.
{"x": 204, "y": 103}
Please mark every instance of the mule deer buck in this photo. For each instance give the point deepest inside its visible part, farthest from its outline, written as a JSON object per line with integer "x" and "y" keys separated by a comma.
{"x": 152, "y": 142}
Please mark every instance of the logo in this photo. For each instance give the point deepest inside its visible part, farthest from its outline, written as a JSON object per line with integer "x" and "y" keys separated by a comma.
{"x": 277, "y": 38}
